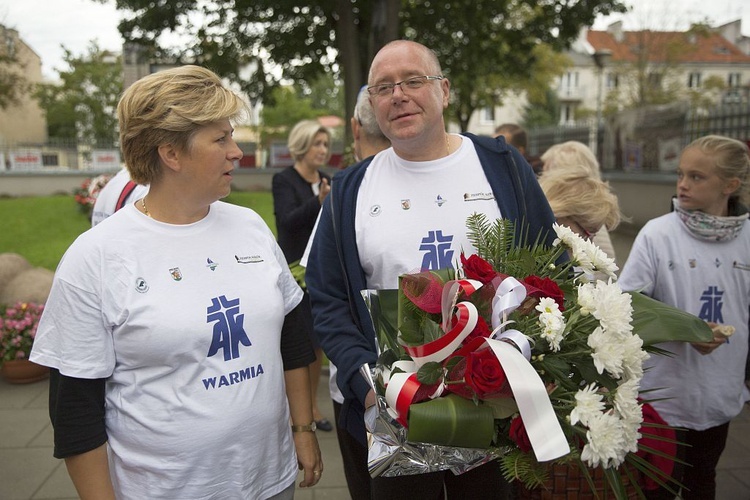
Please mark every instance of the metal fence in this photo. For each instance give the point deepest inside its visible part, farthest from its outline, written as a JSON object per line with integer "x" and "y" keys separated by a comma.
{"x": 647, "y": 139}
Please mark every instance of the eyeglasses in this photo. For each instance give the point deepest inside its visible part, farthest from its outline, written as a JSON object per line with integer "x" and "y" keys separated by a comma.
{"x": 413, "y": 83}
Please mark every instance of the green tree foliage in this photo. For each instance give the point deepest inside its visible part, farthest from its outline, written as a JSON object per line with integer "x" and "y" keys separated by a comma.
{"x": 82, "y": 106}
{"x": 289, "y": 107}
{"x": 489, "y": 47}
{"x": 482, "y": 43}
{"x": 541, "y": 112}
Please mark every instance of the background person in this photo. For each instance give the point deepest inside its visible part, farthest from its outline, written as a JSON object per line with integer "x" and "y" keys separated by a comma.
{"x": 583, "y": 203}
{"x": 574, "y": 156}
{"x": 170, "y": 329}
{"x": 117, "y": 193}
{"x": 516, "y": 136}
{"x": 298, "y": 192}
{"x": 406, "y": 208}
{"x": 696, "y": 259}
{"x": 368, "y": 141}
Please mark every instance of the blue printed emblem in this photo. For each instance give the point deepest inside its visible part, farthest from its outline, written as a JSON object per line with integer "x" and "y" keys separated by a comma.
{"x": 438, "y": 252}
{"x": 228, "y": 332}
{"x": 712, "y": 304}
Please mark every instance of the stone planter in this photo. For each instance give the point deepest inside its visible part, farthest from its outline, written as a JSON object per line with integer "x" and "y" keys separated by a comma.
{"x": 23, "y": 371}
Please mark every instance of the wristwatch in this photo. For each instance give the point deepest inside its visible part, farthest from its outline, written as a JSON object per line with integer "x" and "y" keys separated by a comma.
{"x": 305, "y": 428}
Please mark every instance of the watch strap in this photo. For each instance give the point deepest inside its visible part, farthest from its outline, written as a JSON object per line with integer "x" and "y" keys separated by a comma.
{"x": 305, "y": 428}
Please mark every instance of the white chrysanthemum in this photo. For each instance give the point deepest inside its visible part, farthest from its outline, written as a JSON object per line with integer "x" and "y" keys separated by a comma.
{"x": 606, "y": 444}
{"x": 603, "y": 263}
{"x": 633, "y": 357}
{"x": 613, "y": 308}
{"x": 626, "y": 401}
{"x": 587, "y": 298}
{"x": 630, "y": 413}
{"x": 589, "y": 403}
{"x": 551, "y": 321}
{"x": 584, "y": 254}
{"x": 566, "y": 236}
{"x": 607, "y": 353}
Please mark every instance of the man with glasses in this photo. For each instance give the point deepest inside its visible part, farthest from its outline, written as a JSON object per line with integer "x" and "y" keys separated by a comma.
{"x": 405, "y": 209}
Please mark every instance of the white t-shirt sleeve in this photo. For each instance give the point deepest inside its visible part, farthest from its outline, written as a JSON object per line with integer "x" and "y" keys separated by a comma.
{"x": 290, "y": 290}
{"x": 72, "y": 334}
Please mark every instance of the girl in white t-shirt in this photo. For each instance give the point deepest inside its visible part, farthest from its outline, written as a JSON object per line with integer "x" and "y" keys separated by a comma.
{"x": 696, "y": 258}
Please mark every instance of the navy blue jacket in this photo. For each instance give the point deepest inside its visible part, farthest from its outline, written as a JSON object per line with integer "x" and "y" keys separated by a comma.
{"x": 335, "y": 277}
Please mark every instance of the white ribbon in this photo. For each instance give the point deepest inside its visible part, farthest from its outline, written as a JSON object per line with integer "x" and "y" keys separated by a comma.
{"x": 518, "y": 340}
{"x": 544, "y": 431}
{"x": 508, "y": 296}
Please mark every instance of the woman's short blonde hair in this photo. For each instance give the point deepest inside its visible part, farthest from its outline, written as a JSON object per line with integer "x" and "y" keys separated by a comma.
{"x": 302, "y": 136}
{"x": 571, "y": 155}
{"x": 169, "y": 107}
{"x": 577, "y": 195}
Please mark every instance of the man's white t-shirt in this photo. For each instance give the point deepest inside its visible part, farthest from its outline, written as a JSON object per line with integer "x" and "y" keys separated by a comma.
{"x": 184, "y": 321}
{"x": 411, "y": 216}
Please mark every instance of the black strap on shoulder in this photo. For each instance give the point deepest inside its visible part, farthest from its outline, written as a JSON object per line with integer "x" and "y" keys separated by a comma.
{"x": 129, "y": 187}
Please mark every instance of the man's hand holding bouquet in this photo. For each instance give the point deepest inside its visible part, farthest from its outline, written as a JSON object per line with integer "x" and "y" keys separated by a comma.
{"x": 518, "y": 355}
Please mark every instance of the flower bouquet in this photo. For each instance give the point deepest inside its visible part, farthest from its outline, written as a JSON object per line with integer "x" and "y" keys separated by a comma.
{"x": 517, "y": 355}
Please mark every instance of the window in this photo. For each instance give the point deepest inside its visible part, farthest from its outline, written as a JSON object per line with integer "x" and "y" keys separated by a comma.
{"x": 734, "y": 80}
{"x": 694, "y": 80}
{"x": 571, "y": 79}
{"x": 613, "y": 80}
{"x": 654, "y": 80}
{"x": 566, "y": 114}
{"x": 488, "y": 115}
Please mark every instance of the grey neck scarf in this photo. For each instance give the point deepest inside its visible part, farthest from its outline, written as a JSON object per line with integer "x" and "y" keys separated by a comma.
{"x": 712, "y": 227}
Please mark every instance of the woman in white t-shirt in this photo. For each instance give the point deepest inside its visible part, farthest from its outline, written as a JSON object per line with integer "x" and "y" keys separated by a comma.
{"x": 171, "y": 326}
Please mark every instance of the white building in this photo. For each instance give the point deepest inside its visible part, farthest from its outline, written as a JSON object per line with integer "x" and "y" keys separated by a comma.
{"x": 689, "y": 63}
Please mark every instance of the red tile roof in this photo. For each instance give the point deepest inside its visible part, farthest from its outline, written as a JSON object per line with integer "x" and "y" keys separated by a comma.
{"x": 661, "y": 46}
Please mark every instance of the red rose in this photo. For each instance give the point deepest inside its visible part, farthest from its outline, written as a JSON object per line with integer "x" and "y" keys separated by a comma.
{"x": 544, "y": 287}
{"x": 484, "y": 375}
{"x": 476, "y": 268}
{"x": 482, "y": 330}
{"x": 519, "y": 435}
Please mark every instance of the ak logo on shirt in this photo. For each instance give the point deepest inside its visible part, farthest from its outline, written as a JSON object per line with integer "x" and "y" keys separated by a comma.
{"x": 437, "y": 251}
{"x": 228, "y": 334}
{"x": 228, "y": 331}
{"x": 711, "y": 304}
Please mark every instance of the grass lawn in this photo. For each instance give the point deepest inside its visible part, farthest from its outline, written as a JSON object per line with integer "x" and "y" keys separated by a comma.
{"x": 42, "y": 228}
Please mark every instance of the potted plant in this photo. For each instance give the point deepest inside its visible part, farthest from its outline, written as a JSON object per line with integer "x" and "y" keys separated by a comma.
{"x": 18, "y": 324}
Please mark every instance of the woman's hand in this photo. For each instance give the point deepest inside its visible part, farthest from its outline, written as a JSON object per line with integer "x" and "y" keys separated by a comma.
{"x": 324, "y": 189}
{"x": 308, "y": 458}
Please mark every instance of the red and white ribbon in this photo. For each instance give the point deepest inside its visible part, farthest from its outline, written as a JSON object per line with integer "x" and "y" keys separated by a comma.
{"x": 439, "y": 349}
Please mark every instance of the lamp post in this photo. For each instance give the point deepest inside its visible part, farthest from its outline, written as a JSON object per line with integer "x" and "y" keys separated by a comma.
{"x": 601, "y": 58}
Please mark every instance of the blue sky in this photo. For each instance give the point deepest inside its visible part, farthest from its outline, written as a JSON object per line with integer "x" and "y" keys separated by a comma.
{"x": 47, "y": 24}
